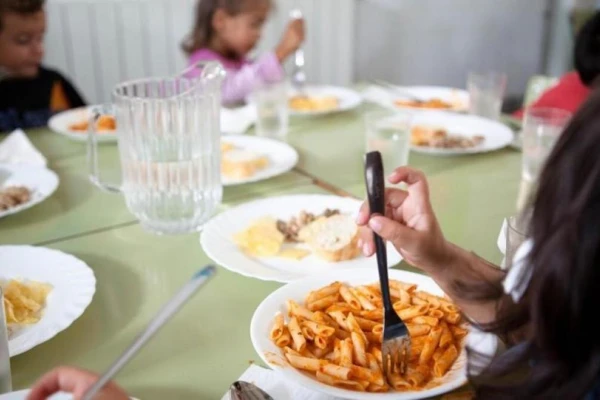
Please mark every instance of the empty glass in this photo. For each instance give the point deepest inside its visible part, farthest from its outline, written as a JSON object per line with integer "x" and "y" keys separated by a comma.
{"x": 389, "y": 133}
{"x": 168, "y": 131}
{"x": 541, "y": 129}
{"x": 515, "y": 236}
{"x": 272, "y": 114}
{"x": 486, "y": 93}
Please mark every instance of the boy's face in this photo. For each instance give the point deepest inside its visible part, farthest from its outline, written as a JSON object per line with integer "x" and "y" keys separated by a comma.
{"x": 22, "y": 43}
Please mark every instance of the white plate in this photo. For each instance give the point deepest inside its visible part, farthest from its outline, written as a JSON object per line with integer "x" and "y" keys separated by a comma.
{"x": 216, "y": 238}
{"x": 60, "y": 122}
{"x": 496, "y": 134}
{"x": 348, "y": 99}
{"x": 22, "y": 395}
{"x": 262, "y": 321}
{"x": 41, "y": 182}
{"x": 282, "y": 157}
{"x": 73, "y": 286}
{"x": 459, "y": 98}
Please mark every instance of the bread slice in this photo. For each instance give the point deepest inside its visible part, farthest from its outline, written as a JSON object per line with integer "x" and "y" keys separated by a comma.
{"x": 240, "y": 164}
{"x": 333, "y": 239}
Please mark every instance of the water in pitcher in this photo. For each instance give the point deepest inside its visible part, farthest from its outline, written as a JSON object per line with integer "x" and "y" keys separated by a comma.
{"x": 173, "y": 190}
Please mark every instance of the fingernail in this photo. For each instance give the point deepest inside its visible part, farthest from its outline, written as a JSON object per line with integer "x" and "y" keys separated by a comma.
{"x": 358, "y": 218}
{"x": 375, "y": 225}
{"x": 360, "y": 243}
{"x": 391, "y": 176}
{"x": 366, "y": 249}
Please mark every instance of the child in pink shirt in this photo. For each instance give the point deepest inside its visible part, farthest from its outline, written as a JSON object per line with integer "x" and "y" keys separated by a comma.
{"x": 226, "y": 31}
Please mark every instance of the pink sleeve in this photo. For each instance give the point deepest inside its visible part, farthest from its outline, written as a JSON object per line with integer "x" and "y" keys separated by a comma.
{"x": 239, "y": 84}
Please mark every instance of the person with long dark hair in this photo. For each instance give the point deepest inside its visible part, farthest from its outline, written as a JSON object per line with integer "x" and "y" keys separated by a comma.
{"x": 544, "y": 308}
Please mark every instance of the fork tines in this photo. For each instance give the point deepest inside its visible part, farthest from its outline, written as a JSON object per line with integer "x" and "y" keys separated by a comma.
{"x": 395, "y": 347}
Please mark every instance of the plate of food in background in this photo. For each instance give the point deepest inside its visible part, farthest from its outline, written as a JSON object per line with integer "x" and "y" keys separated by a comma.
{"x": 431, "y": 98}
{"x": 324, "y": 333}
{"x": 322, "y": 100}
{"x": 450, "y": 134}
{"x": 22, "y": 187}
{"x": 287, "y": 238}
{"x": 45, "y": 291}
{"x": 246, "y": 159}
{"x": 74, "y": 124}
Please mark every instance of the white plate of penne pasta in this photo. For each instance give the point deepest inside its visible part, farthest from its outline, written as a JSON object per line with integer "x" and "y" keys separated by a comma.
{"x": 337, "y": 350}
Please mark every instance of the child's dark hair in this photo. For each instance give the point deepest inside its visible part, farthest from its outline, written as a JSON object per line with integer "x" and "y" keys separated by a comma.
{"x": 202, "y": 32}
{"x": 587, "y": 51}
{"x": 20, "y": 7}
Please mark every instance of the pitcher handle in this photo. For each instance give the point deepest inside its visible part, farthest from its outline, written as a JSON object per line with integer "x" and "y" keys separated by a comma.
{"x": 94, "y": 170}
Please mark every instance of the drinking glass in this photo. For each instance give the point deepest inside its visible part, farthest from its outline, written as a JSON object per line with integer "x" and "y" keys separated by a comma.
{"x": 169, "y": 145}
{"x": 389, "y": 133}
{"x": 541, "y": 129}
{"x": 515, "y": 236}
{"x": 486, "y": 93}
{"x": 272, "y": 113}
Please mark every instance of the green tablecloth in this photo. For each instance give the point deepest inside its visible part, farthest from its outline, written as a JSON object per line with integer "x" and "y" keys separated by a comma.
{"x": 207, "y": 346}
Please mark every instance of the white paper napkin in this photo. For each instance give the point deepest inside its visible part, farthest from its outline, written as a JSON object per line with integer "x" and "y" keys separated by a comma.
{"x": 272, "y": 383}
{"x": 17, "y": 149}
{"x": 379, "y": 95}
{"x": 236, "y": 121}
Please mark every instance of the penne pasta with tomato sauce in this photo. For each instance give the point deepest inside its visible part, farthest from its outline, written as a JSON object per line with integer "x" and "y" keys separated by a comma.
{"x": 336, "y": 336}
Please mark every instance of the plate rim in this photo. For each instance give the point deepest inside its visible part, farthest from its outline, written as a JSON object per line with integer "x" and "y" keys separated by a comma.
{"x": 357, "y": 101}
{"x": 457, "y": 109}
{"x": 57, "y": 396}
{"x": 282, "y": 145}
{"x": 272, "y": 277}
{"x": 476, "y": 150}
{"x": 337, "y": 392}
{"x": 78, "y": 136}
{"x": 78, "y": 309}
{"x": 22, "y": 207}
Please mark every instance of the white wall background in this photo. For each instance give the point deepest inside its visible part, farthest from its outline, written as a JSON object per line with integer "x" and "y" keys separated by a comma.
{"x": 99, "y": 43}
{"x": 438, "y": 42}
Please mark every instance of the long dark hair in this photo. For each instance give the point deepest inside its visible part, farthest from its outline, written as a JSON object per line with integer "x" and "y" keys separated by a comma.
{"x": 203, "y": 32}
{"x": 587, "y": 51}
{"x": 560, "y": 354}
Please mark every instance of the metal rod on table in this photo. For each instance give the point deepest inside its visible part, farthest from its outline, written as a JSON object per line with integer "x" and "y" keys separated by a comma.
{"x": 164, "y": 315}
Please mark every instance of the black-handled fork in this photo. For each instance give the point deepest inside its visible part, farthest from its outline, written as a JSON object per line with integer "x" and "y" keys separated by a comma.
{"x": 396, "y": 339}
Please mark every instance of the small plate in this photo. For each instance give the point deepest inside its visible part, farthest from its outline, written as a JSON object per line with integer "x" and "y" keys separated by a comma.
{"x": 496, "y": 134}
{"x": 348, "y": 99}
{"x": 60, "y": 123}
{"x": 262, "y": 321}
{"x": 73, "y": 287}
{"x": 282, "y": 157}
{"x": 216, "y": 238}
{"x": 457, "y": 97}
{"x": 22, "y": 395}
{"x": 40, "y": 181}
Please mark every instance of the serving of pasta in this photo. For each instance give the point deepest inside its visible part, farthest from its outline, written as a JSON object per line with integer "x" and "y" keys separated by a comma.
{"x": 335, "y": 335}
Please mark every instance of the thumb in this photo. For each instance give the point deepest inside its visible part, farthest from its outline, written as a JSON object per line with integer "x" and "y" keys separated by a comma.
{"x": 395, "y": 232}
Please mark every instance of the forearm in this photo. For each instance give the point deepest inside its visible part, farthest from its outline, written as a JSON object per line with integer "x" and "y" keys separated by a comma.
{"x": 474, "y": 284}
